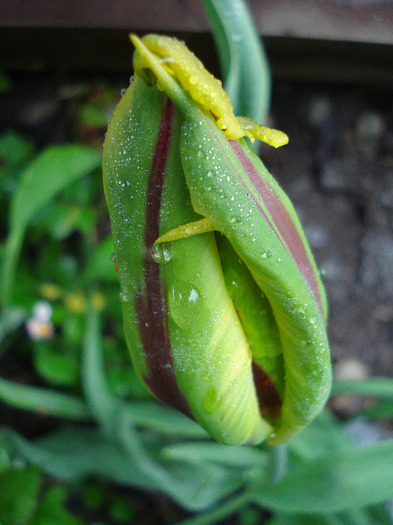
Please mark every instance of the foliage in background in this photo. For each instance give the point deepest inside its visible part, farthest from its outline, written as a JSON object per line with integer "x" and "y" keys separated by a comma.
{"x": 87, "y": 428}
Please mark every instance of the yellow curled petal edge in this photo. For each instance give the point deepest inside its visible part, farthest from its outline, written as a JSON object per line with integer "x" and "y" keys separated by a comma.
{"x": 205, "y": 89}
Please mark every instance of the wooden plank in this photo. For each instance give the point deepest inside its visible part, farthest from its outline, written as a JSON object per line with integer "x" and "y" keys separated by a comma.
{"x": 343, "y": 20}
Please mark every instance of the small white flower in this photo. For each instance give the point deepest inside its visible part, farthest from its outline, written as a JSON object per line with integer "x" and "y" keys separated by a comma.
{"x": 39, "y": 327}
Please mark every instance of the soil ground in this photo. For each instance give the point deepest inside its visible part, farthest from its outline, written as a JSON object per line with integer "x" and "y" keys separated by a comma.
{"x": 338, "y": 170}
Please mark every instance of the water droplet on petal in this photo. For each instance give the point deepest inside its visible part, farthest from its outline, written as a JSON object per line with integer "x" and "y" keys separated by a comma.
{"x": 161, "y": 253}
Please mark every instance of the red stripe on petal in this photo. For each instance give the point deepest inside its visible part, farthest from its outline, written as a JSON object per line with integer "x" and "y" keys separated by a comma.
{"x": 150, "y": 300}
{"x": 282, "y": 220}
{"x": 268, "y": 397}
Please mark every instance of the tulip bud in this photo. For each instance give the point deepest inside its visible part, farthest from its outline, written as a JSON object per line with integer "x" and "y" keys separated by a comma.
{"x": 224, "y": 310}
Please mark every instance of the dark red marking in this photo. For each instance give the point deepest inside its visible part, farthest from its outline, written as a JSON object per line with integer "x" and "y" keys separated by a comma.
{"x": 268, "y": 397}
{"x": 282, "y": 221}
{"x": 150, "y": 303}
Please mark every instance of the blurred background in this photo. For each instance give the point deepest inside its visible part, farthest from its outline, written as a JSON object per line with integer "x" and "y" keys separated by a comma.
{"x": 63, "y": 68}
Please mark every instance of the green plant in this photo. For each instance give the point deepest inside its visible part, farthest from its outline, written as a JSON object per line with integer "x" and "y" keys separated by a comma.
{"x": 96, "y": 421}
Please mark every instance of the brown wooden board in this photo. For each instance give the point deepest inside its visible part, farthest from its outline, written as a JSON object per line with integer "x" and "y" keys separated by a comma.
{"x": 344, "y": 20}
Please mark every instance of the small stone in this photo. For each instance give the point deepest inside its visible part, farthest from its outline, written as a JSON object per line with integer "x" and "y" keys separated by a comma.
{"x": 369, "y": 127}
{"x": 319, "y": 111}
{"x": 376, "y": 268}
{"x": 317, "y": 235}
{"x": 365, "y": 433}
{"x": 332, "y": 175}
{"x": 332, "y": 269}
{"x": 350, "y": 369}
{"x": 386, "y": 198}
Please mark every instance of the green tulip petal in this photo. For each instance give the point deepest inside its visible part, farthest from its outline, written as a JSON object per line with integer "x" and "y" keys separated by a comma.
{"x": 258, "y": 231}
{"x": 185, "y": 338}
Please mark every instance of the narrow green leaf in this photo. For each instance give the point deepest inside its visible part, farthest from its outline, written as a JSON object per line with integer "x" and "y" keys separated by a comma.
{"x": 100, "y": 400}
{"x": 48, "y": 174}
{"x": 73, "y": 453}
{"x": 334, "y": 482}
{"x": 372, "y": 386}
{"x": 233, "y": 505}
{"x": 165, "y": 420}
{"x": 243, "y": 60}
{"x": 236, "y": 456}
{"x": 44, "y": 400}
{"x": 383, "y": 410}
{"x": 352, "y": 517}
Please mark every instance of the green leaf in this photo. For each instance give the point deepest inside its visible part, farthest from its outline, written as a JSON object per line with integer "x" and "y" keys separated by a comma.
{"x": 15, "y": 149}
{"x": 353, "y": 517}
{"x": 383, "y": 410}
{"x": 150, "y": 415}
{"x": 92, "y": 116}
{"x": 62, "y": 218}
{"x": 56, "y": 367}
{"x": 50, "y": 402}
{"x": 372, "y": 386}
{"x": 117, "y": 418}
{"x": 72, "y": 453}
{"x": 334, "y": 482}
{"x": 323, "y": 434}
{"x": 99, "y": 265}
{"x": 121, "y": 510}
{"x": 52, "y": 510}
{"x": 243, "y": 60}
{"x": 18, "y": 495}
{"x": 236, "y": 456}
{"x": 47, "y": 175}
{"x": 102, "y": 404}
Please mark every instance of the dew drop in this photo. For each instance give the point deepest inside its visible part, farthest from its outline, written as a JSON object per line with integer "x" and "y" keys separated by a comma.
{"x": 211, "y": 401}
{"x": 125, "y": 297}
{"x": 161, "y": 253}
